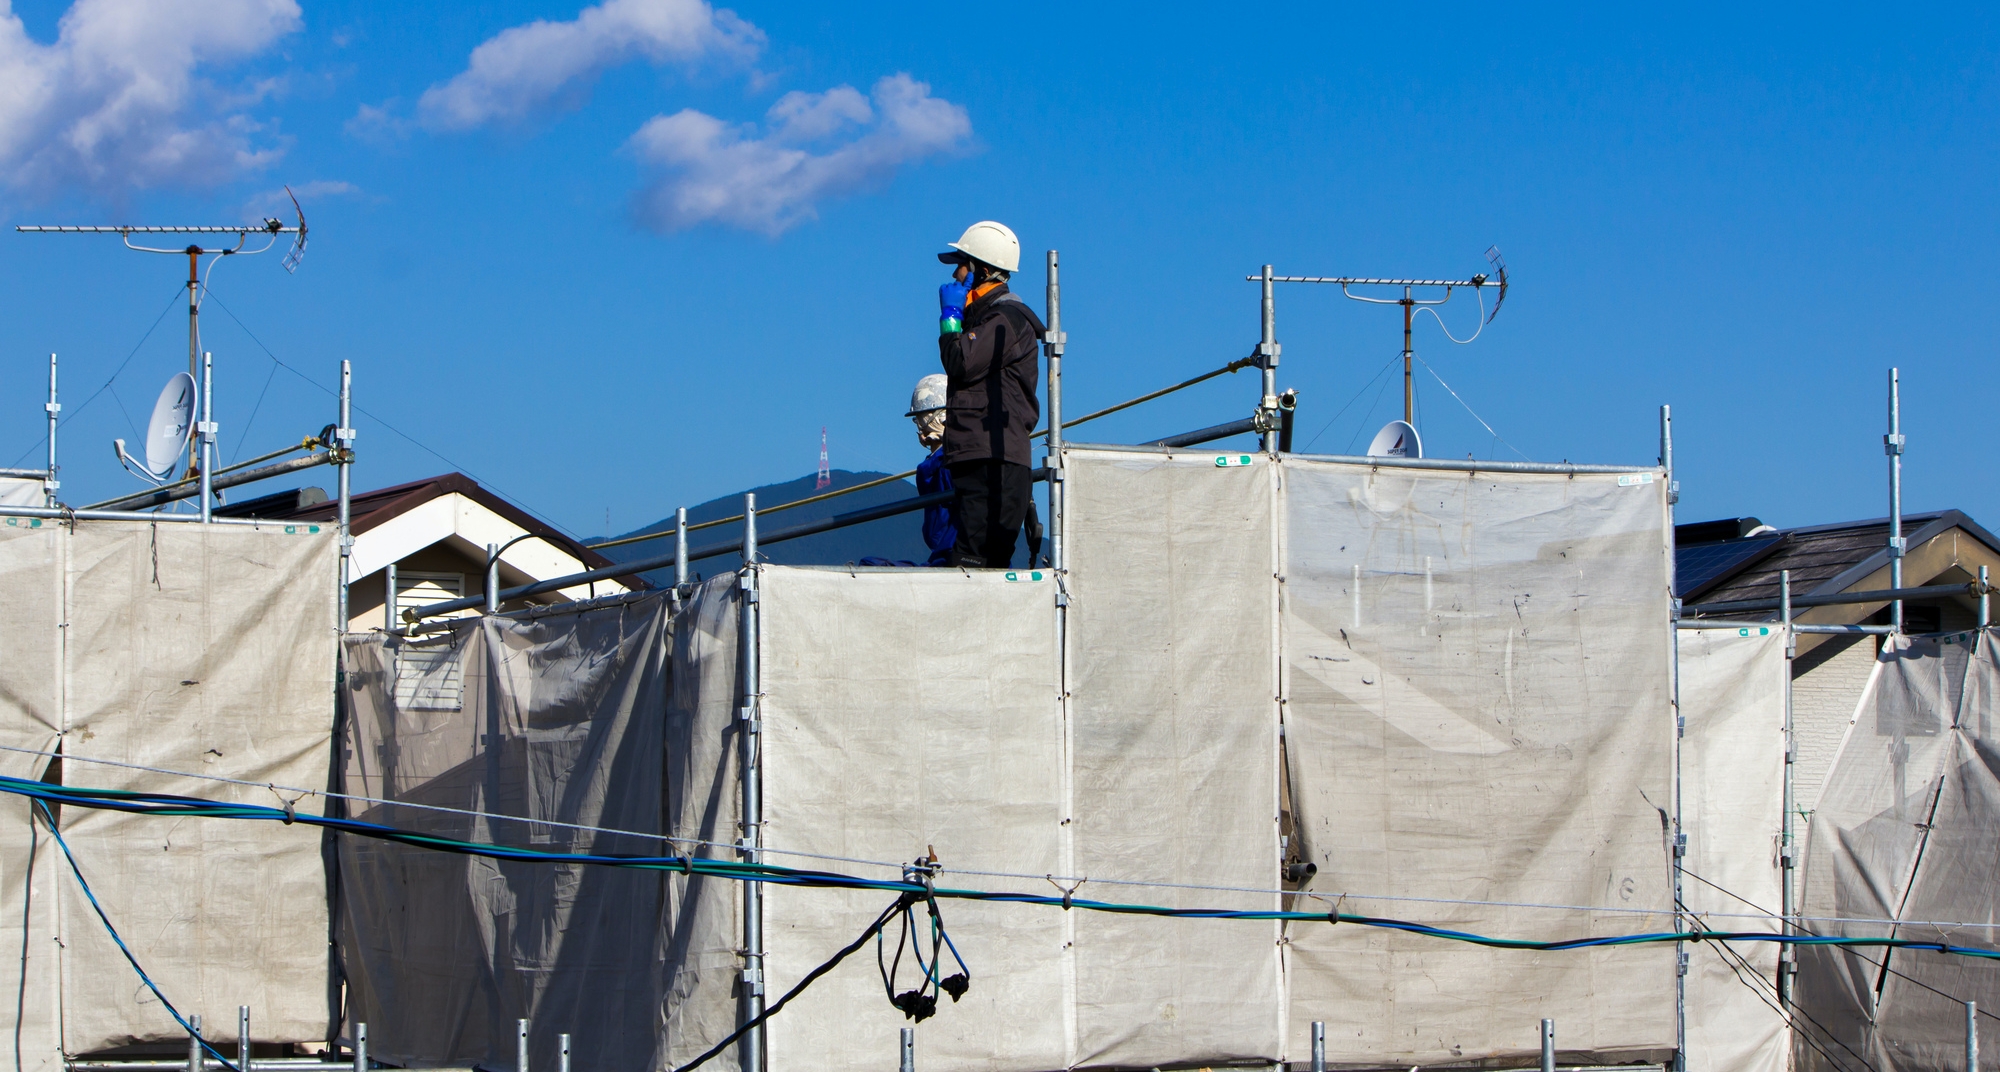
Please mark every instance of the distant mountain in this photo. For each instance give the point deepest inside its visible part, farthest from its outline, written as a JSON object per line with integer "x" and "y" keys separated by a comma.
{"x": 895, "y": 538}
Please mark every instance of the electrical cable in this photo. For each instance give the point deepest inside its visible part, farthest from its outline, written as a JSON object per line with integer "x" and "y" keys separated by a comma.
{"x": 78, "y": 411}
{"x": 371, "y": 415}
{"x": 1386, "y": 366}
{"x": 169, "y": 805}
{"x": 1363, "y": 427}
{"x": 1468, "y": 408}
{"x": 244, "y": 438}
{"x": 49, "y": 820}
{"x": 1761, "y": 987}
{"x": 1477, "y": 292}
{"x": 874, "y": 929}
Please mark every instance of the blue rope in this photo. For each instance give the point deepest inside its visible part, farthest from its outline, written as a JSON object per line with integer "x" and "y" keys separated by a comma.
{"x": 50, "y": 819}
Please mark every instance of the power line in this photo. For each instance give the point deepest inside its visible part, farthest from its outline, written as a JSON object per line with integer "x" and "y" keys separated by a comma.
{"x": 78, "y": 411}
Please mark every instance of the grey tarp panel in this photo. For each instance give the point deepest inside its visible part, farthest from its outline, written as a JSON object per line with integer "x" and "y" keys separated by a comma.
{"x": 1173, "y": 620}
{"x": 1477, "y": 708}
{"x": 1732, "y": 806}
{"x": 704, "y": 924}
{"x": 31, "y": 586}
{"x": 210, "y": 650}
{"x": 906, "y": 711}
{"x": 1908, "y": 828}
{"x": 561, "y": 719}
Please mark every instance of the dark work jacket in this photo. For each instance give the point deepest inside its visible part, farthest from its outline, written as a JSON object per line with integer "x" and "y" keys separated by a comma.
{"x": 940, "y": 527}
{"x": 993, "y": 370}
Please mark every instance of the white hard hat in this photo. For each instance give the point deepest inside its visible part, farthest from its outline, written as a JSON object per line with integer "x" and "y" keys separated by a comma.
{"x": 929, "y": 394}
{"x": 992, "y": 243}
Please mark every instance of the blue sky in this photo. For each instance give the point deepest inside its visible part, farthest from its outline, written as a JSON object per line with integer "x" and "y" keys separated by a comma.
{"x": 637, "y": 256}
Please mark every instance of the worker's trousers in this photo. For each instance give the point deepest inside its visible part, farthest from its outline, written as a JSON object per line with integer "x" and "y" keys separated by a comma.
{"x": 992, "y": 500}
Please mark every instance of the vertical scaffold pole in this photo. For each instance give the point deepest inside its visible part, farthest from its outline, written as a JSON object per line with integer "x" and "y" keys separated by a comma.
{"x": 1319, "y": 1046}
{"x": 196, "y": 1060}
{"x": 492, "y": 578}
{"x": 908, "y": 1050}
{"x": 520, "y": 1046}
{"x": 1787, "y": 834}
{"x": 53, "y": 482}
{"x": 752, "y": 1052}
{"x": 389, "y": 598}
{"x": 243, "y": 1038}
{"x": 1680, "y": 729}
{"x": 1971, "y": 1036}
{"x": 343, "y": 436}
{"x": 562, "y": 1053}
{"x": 680, "y": 546}
{"x": 1548, "y": 1045}
{"x": 1892, "y": 445}
{"x": 1267, "y": 352}
{"x": 205, "y": 430}
{"x": 361, "y": 1047}
{"x": 1985, "y": 600}
{"x": 1054, "y": 343}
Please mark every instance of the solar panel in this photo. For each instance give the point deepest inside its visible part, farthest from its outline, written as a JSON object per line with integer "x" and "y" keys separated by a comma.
{"x": 1696, "y": 567}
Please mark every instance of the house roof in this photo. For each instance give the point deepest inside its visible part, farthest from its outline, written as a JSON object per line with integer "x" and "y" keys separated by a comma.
{"x": 369, "y": 509}
{"x": 1822, "y": 559}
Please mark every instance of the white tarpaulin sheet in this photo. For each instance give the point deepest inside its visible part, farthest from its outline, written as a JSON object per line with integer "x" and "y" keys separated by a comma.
{"x": 31, "y": 587}
{"x": 1173, "y": 648}
{"x": 904, "y": 712}
{"x": 1732, "y": 805}
{"x": 1478, "y": 709}
{"x": 1908, "y": 828}
{"x": 556, "y": 718}
{"x": 207, "y": 650}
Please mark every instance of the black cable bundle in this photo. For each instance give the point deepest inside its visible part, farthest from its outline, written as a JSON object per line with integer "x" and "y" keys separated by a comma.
{"x": 921, "y": 1003}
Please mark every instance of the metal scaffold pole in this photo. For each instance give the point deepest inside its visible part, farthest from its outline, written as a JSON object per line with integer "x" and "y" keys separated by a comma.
{"x": 1054, "y": 341}
{"x": 343, "y": 437}
{"x": 1788, "y": 964}
{"x": 1892, "y": 445}
{"x": 1680, "y": 730}
{"x": 1267, "y": 354}
{"x": 50, "y": 485}
{"x": 752, "y": 1051}
{"x": 680, "y": 547}
{"x": 205, "y": 430}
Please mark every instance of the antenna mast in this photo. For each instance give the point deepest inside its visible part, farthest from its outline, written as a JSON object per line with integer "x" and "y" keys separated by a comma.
{"x": 1410, "y": 304}
{"x": 825, "y": 474}
{"x": 194, "y": 253}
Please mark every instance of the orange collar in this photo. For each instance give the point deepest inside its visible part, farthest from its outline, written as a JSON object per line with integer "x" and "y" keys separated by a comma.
{"x": 981, "y": 291}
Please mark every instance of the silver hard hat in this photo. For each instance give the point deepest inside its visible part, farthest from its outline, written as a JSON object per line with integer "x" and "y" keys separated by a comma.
{"x": 929, "y": 394}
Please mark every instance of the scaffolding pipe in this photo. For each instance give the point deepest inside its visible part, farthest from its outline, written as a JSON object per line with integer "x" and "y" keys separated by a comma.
{"x": 1892, "y": 445}
{"x": 243, "y": 1056}
{"x": 1054, "y": 342}
{"x": 1267, "y": 353}
{"x": 205, "y": 432}
{"x": 361, "y": 1047}
{"x": 520, "y": 1046}
{"x": 908, "y": 1049}
{"x": 1971, "y": 1036}
{"x": 681, "y": 547}
{"x": 197, "y": 1060}
{"x": 25, "y": 474}
{"x": 1985, "y": 603}
{"x": 1212, "y": 433}
{"x": 221, "y": 472}
{"x": 389, "y": 598}
{"x": 562, "y": 1053}
{"x": 1787, "y": 836}
{"x": 752, "y": 1046}
{"x": 1680, "y": 730}
{"x": 1548, "y": 1045}
{"x": 63, "y": 513}
{"x": 343, "y": 437}
{"x": 492, "y": 593}
{"x": 225, "y": 479}
{"x": 1318, "y": 1046}
{"x": 52, "y": 482}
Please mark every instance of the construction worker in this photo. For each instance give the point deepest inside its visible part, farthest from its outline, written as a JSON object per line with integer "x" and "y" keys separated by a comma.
{"x": 927, "y": 409}
{"x": 991, "y": 408}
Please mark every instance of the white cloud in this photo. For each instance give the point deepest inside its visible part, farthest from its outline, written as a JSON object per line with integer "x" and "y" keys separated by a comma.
{"x": 714, "y": 172}
{"x": 115, "y": 104}
{"x": 526, "y": 69}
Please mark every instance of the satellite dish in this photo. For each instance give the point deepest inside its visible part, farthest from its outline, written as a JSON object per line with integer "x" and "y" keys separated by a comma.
{"x": 167, "y": 435}
{"x": 1396, "y": 440}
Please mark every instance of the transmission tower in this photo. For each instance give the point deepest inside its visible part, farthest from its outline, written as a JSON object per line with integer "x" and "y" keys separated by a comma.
{"x": 825, "y": 474}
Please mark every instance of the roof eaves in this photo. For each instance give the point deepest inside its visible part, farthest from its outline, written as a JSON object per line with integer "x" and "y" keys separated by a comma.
{"x": 1934, "y": 525}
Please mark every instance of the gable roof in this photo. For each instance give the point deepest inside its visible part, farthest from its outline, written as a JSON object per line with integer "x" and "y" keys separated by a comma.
{"x": 1823, "y": 559}
{"x": 369, "y": 509}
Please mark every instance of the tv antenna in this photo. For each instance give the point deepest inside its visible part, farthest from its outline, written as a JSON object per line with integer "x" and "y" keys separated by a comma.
{"x": 1410, "y": 303}
{"x": 825, "y": 474}
{"x": 270, "y": 227}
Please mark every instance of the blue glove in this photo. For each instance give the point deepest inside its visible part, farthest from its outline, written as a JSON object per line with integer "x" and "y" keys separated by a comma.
{"x": 951, "y": 307}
